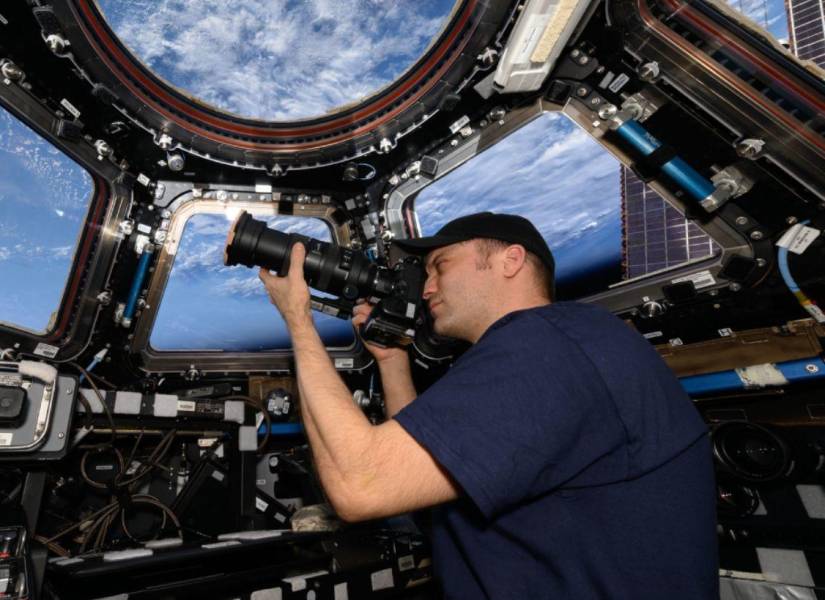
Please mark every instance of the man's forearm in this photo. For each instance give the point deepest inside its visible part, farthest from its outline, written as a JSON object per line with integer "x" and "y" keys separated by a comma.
{"x": 396, "y": 378}
{"x": 338, "y": 431}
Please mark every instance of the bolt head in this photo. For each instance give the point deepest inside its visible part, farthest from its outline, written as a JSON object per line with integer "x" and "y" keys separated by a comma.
{"x": 735, "y": 287}
{"x": 56, "y": 43}
{"x": 11, "y": 71}
{"x": 741, "y": 220}
{"x": 757, "y": 235}
{"x": 582, "y": 92}
{"x": 811, "y": 368}
{"x": 791, "y": 220}
{"x": 103, "y": 148}
{"x": 607, "y": 111}
{"x": 175, "y": 161}
{"x": 750, "y": 148}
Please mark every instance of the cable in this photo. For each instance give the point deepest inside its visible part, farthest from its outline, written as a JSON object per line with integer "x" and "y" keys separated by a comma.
{"x": 100, "y": 397}
{"x": 56, "y": 548}
{"x": 809, "y": 305}
{"x": 84, "y": 473}
{"x": 153, "y": 461}
{"x": 249, "y": 401}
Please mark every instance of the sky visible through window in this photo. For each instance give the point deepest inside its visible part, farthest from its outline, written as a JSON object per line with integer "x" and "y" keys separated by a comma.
{"x": 44, "y": 197}
{"x": 551, "y": 172}
{"x": 281, "y": 60}
{"x": 209, "y": 306}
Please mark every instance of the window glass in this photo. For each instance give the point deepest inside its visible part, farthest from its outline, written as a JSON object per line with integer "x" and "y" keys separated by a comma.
{"x": 594, "y": 214}
{"x": 278, "y": 60}
{"x": 770, "y": 15}
{"x": 209, "y": 306}
{"x": 44, "y": 197}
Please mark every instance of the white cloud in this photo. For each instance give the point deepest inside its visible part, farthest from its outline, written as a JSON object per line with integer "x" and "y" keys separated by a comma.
{"x": 33, "y": 173}
{"x": 241, "y": 286}
{"x": 566, "y": 189}
{"x": 277, "y": 60}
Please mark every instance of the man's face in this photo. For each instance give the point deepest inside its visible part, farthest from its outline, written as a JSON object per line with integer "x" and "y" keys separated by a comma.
{"x": 458, "y": 289}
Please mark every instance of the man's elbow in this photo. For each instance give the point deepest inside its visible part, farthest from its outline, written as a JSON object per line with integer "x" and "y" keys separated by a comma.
{"x": 353, "y": 507}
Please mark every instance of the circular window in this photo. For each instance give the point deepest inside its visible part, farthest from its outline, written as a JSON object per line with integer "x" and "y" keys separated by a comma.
{"x": 277, "y": 60}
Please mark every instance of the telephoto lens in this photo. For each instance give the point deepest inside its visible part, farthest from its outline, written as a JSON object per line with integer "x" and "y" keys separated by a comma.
{"x": 327, "y": 267}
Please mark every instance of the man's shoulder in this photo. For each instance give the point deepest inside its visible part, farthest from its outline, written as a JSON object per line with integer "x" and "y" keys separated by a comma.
{"x": 562, "y": 316}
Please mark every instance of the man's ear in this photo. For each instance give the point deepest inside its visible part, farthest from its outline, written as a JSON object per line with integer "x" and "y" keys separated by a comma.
{"x": 513, "y": 257}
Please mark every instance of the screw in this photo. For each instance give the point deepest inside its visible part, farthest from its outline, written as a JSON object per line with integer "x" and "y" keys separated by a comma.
{"x": 791, "y": 220}
{"x": 175, "y": 161}
{"x": 103, "y": 149}
{"x": 595, "y": 101}
{"x": 488, "y": 57}
{"x": 757, "y": 235}
{"x": 812, "y": 368}
{"x": 385, "y": 145}
{"x": 583, "y": 59}
{"x": 607, "y": 111}
{"x": 750, "y": 147}
{"x": 741, "y": 220}
{"x": 761, "y": 262}
{"x": 735, "y": 287}
{"x": 582, "y": 92}
{"x": 11, "y": 71}
{"x": 649, "y": 71}
{"x": 56, "y": 43}
{"x": 575, "y": 53}
{"x": 61, "y": 435}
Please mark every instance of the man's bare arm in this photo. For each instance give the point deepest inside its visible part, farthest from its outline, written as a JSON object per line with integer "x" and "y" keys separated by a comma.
{"x": 394, "y": 365}
{"x": 396, "y": 379}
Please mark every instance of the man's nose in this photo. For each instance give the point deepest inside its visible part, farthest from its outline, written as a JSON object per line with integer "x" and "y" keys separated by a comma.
{"x": 429, "y": 287}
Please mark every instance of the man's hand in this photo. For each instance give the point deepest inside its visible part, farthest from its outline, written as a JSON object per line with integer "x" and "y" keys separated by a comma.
{"x": 359, "y": 316}
{"x": 290, "y": 294}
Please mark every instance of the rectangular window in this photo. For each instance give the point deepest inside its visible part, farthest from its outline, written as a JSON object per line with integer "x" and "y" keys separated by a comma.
{"x": 44, "y": 198}
{"x": 209, "y": 306}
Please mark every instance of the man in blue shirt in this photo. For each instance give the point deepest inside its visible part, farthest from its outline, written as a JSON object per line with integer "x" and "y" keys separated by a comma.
{"x": 562, "y": 456}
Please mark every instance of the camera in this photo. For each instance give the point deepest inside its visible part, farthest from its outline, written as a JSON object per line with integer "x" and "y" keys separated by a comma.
{"x": 399, "y": 317}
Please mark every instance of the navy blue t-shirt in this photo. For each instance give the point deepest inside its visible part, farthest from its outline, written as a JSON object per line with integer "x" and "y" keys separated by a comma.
{"x": 586, "y": 469}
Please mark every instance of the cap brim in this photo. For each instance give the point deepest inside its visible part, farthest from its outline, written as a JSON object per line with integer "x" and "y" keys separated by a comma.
{"x": 425, "y": 244}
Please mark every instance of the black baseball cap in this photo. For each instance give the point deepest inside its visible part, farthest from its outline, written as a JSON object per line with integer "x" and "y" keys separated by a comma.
{"x": 507, "y": 228}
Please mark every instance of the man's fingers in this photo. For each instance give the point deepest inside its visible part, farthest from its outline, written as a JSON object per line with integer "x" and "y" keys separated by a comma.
{"x": 264, "y": 274}
{"x": 296, "y": 261}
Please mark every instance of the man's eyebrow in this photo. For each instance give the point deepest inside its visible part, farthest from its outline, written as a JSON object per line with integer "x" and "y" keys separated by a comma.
{"x": 434, "y": 256}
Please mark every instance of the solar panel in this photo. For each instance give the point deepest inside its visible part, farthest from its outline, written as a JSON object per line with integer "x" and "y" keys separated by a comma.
{"x": 655, "y": 235}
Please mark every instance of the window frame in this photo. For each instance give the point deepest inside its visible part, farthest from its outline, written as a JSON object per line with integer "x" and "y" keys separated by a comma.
{"x": 96, "y": 246}
{"x": 620, "y": 297}
{"x": 183, "y": 208}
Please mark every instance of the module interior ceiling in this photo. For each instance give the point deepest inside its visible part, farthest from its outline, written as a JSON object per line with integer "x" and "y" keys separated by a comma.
{"x": 274, "y": 60}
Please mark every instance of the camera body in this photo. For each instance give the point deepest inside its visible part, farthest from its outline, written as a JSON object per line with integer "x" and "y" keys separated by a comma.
{"x": 397, "y": 317}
